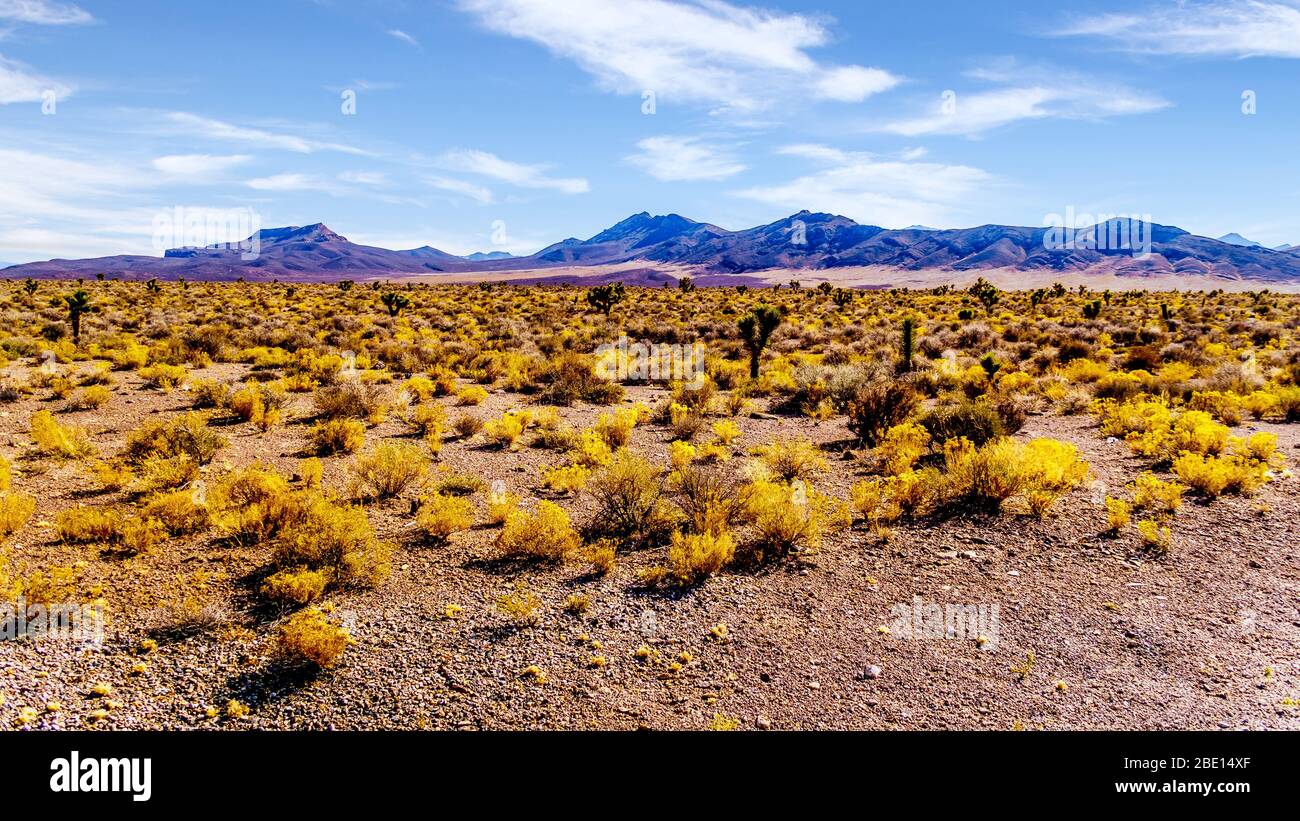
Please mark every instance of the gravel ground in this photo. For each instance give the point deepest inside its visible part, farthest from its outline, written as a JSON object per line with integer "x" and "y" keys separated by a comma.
{"x": 1207, "y": 637}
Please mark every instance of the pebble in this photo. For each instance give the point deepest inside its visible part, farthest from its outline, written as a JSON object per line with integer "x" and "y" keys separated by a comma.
{"x": 763, "y": 723}
{"x": 873, "y": 671}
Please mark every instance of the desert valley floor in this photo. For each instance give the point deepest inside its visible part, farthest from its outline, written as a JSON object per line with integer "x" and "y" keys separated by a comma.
{"x": 1205, "y": 639}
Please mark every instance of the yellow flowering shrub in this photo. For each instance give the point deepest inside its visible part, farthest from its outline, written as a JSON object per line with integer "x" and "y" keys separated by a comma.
{"x": 545, "y": 533}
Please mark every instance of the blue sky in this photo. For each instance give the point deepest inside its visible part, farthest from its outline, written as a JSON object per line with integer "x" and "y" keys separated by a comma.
{"x": 511, "y": 124}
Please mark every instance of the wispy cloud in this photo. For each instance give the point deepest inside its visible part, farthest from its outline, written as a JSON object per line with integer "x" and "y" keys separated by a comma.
{"x": 853, "y": 84}
{"x": 684, "y": 158}
{"x": 478, "y": 193}
{"x": 1024, "y": 93}
{"x": 398, "y": 34}
{"x": 194, "y": 167}
{"x": 19, "y": 84}
{"x": 710, "y": 52}
{"x": 1235, "y": 28}
{"x": 205, "y": 127}
{"x": 43, "y": 12}
{"x": 61, "y": 204}
{"x": 485, "y": 164}
{"x": 877, "y": 190}
{"x": 289, "y": 182}
{"x": 364, "y": 177}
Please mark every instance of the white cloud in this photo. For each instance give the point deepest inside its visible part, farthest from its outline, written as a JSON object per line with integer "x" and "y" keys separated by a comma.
{"x": 478, "y": 193}
{"x": 398, "y": 34}
{"x": 1026, "y": 94}
{"x": 814, "y": 151}
{"x": 195, "y": 166}
{"x": 1235, "y": 28}
{"x": 364, "y": 177}
{"x": 886, "y": 192}
{"x": 709, "y": 52}
{"x": 853, "y": 84}
{"x": 19, "y": 84}
{"x": 288, "y": 182}
{"x": 683, "y": 158}
{"x": 43, "y": 12}
{"x": 70, "y": 205}
{"x": 211, "y": 129}
{"x": 35, "y": 185}
{"x": 485, "y": 164}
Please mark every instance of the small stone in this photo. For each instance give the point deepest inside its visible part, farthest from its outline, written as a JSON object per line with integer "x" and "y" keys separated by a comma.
{"x": 763, "y": 723}
{"x": 873, "y": 671}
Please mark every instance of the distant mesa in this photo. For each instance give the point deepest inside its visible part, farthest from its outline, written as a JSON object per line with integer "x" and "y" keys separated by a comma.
{"x": 803, "y": 241}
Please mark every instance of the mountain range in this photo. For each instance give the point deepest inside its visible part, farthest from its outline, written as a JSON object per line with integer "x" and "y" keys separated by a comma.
{"x": 802, "y": 241}
{"x": 1237, "y": 239}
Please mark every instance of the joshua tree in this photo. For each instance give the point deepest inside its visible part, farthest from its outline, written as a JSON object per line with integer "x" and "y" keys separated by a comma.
{"x": 756, "y": 329}
{"x": 30, "y": 286}
{"x": 394, "y": 302}
{"x": 100, "y": 276}
{"x": 686, "y": 284}
{"x": 1092, "y": 310}
{"x": 604, "y": 297}
{"x": 153, "y": 286}
{"x": 825, "y": 287}
{"x": 986, "y": 292}
{"x": 1058, "y": 290}
{"x": 345, "y": 285}
{"x": 742, "y": 289}
{"x": 907, "y": 345}
{"x": 1036, "y": 298}
{"x": 1105, "y": 295}
{"x": 78, "y": 303}
{"x": 991, "y": 365}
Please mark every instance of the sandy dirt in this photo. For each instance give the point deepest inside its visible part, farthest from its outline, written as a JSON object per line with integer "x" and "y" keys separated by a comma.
{"x": 1207, "y": 637}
